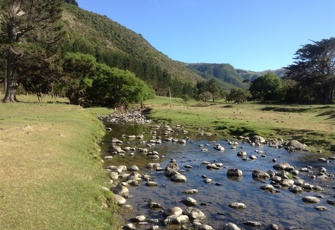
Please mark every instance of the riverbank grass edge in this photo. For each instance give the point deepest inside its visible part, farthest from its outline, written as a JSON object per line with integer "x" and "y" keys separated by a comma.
{"x": 50, "y": 170}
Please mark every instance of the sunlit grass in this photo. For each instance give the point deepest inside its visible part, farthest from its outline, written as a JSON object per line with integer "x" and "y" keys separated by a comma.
{"x": 313, "y": 124}
{"x": 50, "y": 172}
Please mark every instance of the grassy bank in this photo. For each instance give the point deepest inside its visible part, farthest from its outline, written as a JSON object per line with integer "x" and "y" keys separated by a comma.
{"x": 312, "y": 124}
{"x": 50, "y": 175}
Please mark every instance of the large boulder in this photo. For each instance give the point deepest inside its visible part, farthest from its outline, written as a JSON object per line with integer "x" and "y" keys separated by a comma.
{"x": 257, "y": 139}
{"x": 296, "y": 145}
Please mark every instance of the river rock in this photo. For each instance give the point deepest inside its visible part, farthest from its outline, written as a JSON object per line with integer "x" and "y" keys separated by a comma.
{"x": 234, "y": 173}
{"x": 331, "y": 202}
{"x": 320, "y": 208}
{"x": 172, "y": 220}
{"x": 113, "y": 175}
{"x": 237, "y": 205}
{"x": 119, "y": 200}
{"x": 178, "y": 177}
{"x": 230, "y": 226}
{"x": 194, "y": 213}
{"x": 257, "y": 139}
{"x": 190, "y": 202}
{"x": 174, "y": 211}
{"x": 154, "y": 205}
{"x": 120, "y": 190}
{"x": 242, "y": 154}
{"x": 191, "y": 191}
{"x": 310, "y": 199}
{"x": 258, "y": 174}
{"x": 133, "y": 168}
{"x": 281, "y": 166}
{"x": 252, "y": 224}
{"x": 296, "y": 145}
{"x": 151, "y": 184}
{"x": 295, "y": 189}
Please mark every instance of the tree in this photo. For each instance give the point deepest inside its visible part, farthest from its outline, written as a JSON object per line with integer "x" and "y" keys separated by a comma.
{"x": 314, "y": 69}
{"x": 266, "y": 87}
{"x": 238, "y": 95}
{"x": 114, "y": 87}
{"x": 79, "y": 70}
{"x": 214, "y": 88}
{"x": 23, "y": 26}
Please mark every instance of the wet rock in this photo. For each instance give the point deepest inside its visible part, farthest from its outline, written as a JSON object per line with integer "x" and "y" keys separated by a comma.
{"x": 154, "y": 205}
{"x": 133, "y": 168}
{"x": 296, "y": 145}
{"x": 230, "y": 226}
{"x": 120, "y": 190}
{"x": 191, "y": 191}
{"x": 320, "y": 208}
{"x": 208, "y": 180}
{"x": 252, "y": 224}
{"x": 295, "y": 189}
{"x": 274, "y": 227}
{"x": 331, "y": 202}
{"x": 310, "y": 199}
{"x": 174, "y": 211}
{"x": 172, "y": 220}
{"x": 178, "y": 177}
{"x": 129, "y": 226}
{"x": 151, "y": 184}
{"x": 242, "y": 154}
{"x": 257, "y": 139}
{"x": 234, "y": 173}
{"x": 200, "y": 226}
{"x": 281, "y": 166}
{"x": 219, "y": 147}
{"x": 194, "y": 213}
{"x": 258, "y": 174}
{"x": 119, "y": 200}
{"x": 237, "y": 205}
{"x": 113, "y": 175}
{"x": 190, "y": 202}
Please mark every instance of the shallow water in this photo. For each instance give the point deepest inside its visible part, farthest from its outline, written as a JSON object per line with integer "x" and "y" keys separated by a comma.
{"x": 284, "y": 208}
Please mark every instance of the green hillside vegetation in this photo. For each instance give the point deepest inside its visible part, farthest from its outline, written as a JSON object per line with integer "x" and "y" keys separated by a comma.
{"x": 117, "y": 46}
{"x": 227, "y": 76}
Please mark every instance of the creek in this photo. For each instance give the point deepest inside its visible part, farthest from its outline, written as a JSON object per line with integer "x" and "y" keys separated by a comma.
{"x": 283, "y": 208}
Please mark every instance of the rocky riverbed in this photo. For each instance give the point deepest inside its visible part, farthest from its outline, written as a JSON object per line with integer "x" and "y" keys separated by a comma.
{"x": 169, "y": 178}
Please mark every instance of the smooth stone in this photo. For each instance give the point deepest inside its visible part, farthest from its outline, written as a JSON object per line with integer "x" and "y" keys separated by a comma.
{"x": 310, "y": 199}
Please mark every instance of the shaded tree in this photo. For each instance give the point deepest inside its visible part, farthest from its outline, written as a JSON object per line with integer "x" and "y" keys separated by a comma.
{"x": 266, "y": 87}
{"x": 23, "y": 26}
{"x": 314, "y": 69}
{"x": 238, "y": 95}
{"x": 213, "y": 87}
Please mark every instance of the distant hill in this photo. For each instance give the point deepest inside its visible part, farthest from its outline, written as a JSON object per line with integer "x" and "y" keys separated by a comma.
{"x": 227, "y": 75}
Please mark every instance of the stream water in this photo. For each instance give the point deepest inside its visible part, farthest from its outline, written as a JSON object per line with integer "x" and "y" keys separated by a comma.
{"x": 284, "y": 208}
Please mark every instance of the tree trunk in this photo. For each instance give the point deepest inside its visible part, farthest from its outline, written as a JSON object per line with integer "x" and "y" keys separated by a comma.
{"x": 10, "y": 84}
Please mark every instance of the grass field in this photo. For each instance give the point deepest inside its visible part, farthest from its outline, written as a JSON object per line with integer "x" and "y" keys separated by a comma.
{"x": 312, "y": 124}
{"x": 50, "y": 172}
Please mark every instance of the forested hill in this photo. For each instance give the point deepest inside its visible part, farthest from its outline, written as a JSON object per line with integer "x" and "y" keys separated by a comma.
{"x": 117, "y": 46}
{"x": 227, "y": 75}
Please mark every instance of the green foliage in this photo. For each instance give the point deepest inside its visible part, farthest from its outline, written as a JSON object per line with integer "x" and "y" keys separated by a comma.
{"x": 237, "y": 95}
{"x": 314, "y": 70}
{"x": 266, "y": 87}
{"x": 27, "y": 28}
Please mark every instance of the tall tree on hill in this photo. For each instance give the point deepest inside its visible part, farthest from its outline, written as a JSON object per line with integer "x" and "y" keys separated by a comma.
{"x": 27, "y": 27}
{"x": 314, "y": 69}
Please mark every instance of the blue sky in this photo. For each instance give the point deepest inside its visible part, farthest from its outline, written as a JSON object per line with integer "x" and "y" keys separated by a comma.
{"x": 248, "y": 34}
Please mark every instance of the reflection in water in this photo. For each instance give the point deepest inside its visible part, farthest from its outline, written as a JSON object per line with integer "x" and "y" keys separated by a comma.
{"x": 284, "y": 208}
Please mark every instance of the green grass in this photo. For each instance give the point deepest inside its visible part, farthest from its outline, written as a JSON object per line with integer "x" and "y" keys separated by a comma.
{"x": 50, "y": 171}
{"x": 312, "y": 124}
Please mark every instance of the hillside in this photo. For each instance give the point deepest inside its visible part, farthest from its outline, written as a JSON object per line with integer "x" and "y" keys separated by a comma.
{"x": 106, "y": 39}
{"x": 227, "y": 75}
{"x": 118, "y": 46}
